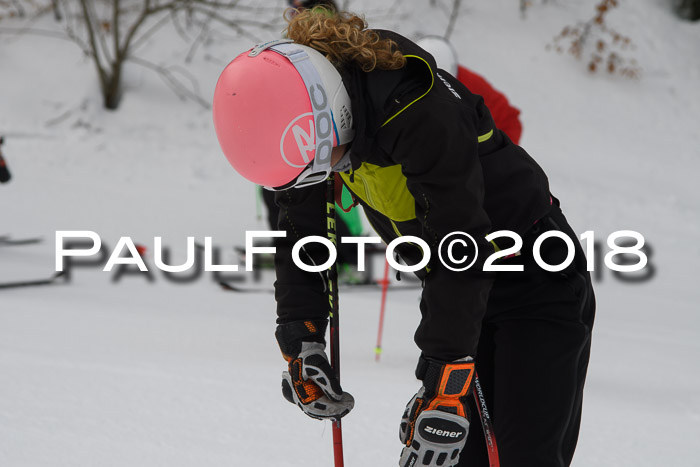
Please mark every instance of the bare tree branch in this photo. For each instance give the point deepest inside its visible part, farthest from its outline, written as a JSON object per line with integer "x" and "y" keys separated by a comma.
{"x": 236, "y": 5}
{"x": 235, "y": 25}
{"x": 201, "y": 37}
{"x": 36, "y": 32}
{"x": 100, "y": 30}
{"x": 453, "y": 18}
{"x": 56, "y": 12}
{"x": 93, "y": 45}
{"x": 150, "y": 32}
{"x": 123, "y": 50}
{"x": 115, "y": 25}
{"x": 110, "y": 32}
{"x": 168, "y": 74}
{"x": 179, "y": 28}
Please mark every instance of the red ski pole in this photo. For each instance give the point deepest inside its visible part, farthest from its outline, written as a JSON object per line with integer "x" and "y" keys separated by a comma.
{"x": 333, "y": 313}
{"x": 486, "y": 424}
{"x": 385, "y": 286}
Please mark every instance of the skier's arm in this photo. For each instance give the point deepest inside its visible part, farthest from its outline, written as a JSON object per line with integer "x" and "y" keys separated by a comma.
{"x": 301, "y": 295}
{"x": 302, "y": 308}
{"x": 439, "y": 157}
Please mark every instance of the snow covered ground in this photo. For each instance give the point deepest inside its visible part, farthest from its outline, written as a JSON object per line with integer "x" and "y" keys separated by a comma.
{"x": 146, "y": 374}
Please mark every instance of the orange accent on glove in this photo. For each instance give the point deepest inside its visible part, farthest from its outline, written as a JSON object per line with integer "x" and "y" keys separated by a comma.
{"x": 447, "y": 396}
{"x": 307, "y": 391}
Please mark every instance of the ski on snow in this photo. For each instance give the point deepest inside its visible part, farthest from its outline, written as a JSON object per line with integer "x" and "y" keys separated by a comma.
{"x": 32, "y": 283}
{"x": 6, "y": 240}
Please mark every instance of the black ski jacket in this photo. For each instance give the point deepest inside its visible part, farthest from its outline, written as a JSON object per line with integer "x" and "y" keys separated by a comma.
{"x": 427, "y": 160}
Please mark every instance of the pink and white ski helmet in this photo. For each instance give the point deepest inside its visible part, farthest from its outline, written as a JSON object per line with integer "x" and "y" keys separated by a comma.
{"x": 279, "y": 109}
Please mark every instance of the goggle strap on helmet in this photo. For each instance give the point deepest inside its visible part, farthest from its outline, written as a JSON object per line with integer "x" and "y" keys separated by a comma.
{"x": 320, "y": 107}
{"x": 259, "y": 48}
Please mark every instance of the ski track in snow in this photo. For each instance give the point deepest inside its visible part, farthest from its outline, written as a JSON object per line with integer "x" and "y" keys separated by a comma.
{"x": 139, "y": 374}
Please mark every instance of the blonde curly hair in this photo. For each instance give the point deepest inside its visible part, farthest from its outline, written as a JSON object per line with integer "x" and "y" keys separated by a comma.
{"x": 344, "y": 39}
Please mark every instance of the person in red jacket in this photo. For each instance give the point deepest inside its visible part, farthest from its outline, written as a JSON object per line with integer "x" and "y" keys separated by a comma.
{"x": 504, "y": 114}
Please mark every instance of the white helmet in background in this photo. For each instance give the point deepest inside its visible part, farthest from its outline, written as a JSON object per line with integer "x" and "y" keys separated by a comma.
{"x": 442, "y": 51}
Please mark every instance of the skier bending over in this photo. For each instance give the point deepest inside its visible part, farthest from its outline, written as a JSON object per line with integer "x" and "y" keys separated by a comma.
{"x": 423, "y": 157}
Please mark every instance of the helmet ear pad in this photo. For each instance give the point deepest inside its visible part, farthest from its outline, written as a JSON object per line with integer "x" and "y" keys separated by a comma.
{"x": 339, "y": 98}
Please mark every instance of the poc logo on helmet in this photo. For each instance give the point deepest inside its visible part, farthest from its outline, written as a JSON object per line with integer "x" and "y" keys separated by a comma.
{"x": 302, "y": 139}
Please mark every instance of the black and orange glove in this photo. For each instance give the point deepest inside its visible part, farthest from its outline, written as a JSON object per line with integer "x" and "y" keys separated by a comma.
{"x": 435, "y": 425}
{"x": 310, "y": 382}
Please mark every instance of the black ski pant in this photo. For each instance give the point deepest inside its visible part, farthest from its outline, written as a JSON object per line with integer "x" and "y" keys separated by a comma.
{"x": 533, "y": 355}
